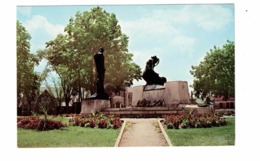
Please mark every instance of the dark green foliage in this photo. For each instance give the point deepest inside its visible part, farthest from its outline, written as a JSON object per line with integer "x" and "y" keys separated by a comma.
{"x": 216, "y": 73}
{"x": 28, "y": 82}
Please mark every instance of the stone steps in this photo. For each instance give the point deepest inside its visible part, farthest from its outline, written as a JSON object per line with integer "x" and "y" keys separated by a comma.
{"x": 154, "y": 111}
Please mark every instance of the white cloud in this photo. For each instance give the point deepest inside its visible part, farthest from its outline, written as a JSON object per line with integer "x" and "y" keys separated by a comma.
{"x": 160, "y": 33}
{"x": 169, "y": 29}
{"x": 26, "y": 11}
{"x": 169, "y": 22}
{"x": 209, "y": 17}
{"x": 40, "y": 23}
{"x": 41, "y": 31}
{"x": 151, "y": 25}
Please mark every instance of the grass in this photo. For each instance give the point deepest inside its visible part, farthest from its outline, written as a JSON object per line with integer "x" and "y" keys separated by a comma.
{"x": 215, "y": 136}
{"x": 68, "y": 137}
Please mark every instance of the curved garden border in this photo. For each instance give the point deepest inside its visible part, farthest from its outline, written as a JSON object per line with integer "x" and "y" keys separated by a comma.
{"x": 164, "y": 133}
{"x": 118, "y": 140}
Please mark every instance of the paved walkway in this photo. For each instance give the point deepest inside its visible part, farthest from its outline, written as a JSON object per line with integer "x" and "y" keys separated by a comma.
{"x": 142, "y": 132}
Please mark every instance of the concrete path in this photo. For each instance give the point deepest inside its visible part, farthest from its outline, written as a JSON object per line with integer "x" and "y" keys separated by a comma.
{"x": 142, "y": 132}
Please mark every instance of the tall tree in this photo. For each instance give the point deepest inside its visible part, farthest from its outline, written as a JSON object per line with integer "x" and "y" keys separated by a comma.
{"x": 71, "y": 54}
{"x": 60, "y": 60}
{"x": 216, "y": 73}
{"x": 97, "y": 28}
{"x": 28, "y": 82}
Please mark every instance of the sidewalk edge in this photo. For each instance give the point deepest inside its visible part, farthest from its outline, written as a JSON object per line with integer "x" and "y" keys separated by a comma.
{"x": 164, "y": 133}
{"x": 118, "y": 140}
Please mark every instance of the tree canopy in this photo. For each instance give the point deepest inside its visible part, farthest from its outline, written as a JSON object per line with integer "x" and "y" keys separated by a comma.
{"x": 216, "y": 73}
{"x": 71, "y": 54}
{"x": 28, "y": 82}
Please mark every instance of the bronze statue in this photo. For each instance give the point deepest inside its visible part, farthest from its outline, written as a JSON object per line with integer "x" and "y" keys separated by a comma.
{"x": 100, "y": 68}
{"x": 150, "y": 76}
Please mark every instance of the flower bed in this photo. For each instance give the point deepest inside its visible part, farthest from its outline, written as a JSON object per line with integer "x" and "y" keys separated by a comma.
{"x": 185, "y": 119}
{"x": 48, "y": 122}
{"x": 96, "y": 120}
{"x": 38, "y": 124}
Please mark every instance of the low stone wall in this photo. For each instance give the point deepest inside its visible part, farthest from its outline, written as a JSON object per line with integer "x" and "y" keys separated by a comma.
{"x": 195, "y": 109}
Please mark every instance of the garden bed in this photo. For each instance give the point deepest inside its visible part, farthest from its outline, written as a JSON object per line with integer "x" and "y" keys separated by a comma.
{"x": 70, "y": 130}
{"x": 186, "y": 119}
{"x": 215, "y": 136}
{"x": 187, "y": 129}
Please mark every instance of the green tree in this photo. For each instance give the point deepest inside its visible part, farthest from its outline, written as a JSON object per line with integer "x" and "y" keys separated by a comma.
{"x": 97, "y": 28}
{"x": 28, "y": 82}
{"x": 71, "y": 54}
{"x": 216, "y": 73}
{"x": 60, "y": 59}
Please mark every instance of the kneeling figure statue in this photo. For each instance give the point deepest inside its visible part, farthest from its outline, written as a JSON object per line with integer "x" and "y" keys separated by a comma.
{"x": 150, "y": 76}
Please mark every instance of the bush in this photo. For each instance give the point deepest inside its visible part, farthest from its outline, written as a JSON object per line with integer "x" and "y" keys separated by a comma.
{"x": 38, "y": 124}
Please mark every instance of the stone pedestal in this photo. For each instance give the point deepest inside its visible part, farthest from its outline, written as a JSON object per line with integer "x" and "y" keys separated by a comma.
{"x": 93, "y": 106}
{"x": 173, "y": 93}
{"x": 136, "y": 95}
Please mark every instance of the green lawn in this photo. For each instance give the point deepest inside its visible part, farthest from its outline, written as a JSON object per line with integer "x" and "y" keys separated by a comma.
{"x": 68, "y": 137}
{"x": 215, "y": 136}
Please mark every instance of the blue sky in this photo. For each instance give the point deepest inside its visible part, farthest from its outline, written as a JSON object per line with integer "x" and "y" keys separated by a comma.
{"x": 180, "y": 35}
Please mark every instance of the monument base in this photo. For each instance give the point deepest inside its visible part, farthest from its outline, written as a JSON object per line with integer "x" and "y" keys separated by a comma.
{"x": 172, "y": 93}
{"x": 195, "y": 109}
{"x": 94, "y": 105}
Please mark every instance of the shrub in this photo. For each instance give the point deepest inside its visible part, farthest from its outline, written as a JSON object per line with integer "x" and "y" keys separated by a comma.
{"x": 38, "y": 124}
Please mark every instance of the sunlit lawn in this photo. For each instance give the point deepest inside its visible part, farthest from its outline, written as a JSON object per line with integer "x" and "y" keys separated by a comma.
{"x": 68, "y": 137}
{"x": 215, "y": 136}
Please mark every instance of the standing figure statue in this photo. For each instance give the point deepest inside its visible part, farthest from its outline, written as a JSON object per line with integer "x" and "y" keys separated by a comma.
{"x": 149, "y": 75}
{"x": 100, "y": 68}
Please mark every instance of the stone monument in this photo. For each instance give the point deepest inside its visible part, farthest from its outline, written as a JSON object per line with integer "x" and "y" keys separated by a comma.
{"x": 172, "y": 93}
{"x": 99, "y": 100}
